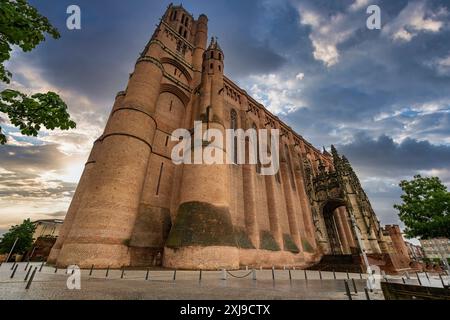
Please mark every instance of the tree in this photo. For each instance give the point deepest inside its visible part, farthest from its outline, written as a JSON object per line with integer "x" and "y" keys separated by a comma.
{"x": 24, "y": 234}
{"x": 23, "y": 26}
{"x": 425, "y": 210}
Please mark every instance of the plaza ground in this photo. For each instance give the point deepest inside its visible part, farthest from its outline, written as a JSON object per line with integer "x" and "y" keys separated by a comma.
{"x": 239, "y": 285}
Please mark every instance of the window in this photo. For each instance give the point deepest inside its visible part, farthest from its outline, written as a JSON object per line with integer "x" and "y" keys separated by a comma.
{"x": 220, "y": 56}
{"x": 212, "y": 54}
{"x": 182, "y": 18}
{"x": 211, "y": 67}
{"x": 258, "y": 164}
{"x": 185, "y": 34}
{"x": 288, "y": 159}
{"x": 180, "y": 31}
{"x": 220, "y": 69}
{"x": 159, "y": 178}
{"x": 186, "y": 22}
{"x": 233, "y": 125}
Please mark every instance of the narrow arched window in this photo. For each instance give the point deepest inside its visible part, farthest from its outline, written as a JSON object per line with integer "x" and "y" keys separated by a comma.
{"x": 288, "y": 159}
{"x": 258, "y": 163}
{"x": 233, "y": 126}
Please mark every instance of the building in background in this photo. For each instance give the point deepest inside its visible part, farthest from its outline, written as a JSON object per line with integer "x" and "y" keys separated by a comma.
{"x": 437, "y": 248}
{"x": 47, "y": 228}
{"x": 415, "y": 252}
{"x": 45, "y": 235}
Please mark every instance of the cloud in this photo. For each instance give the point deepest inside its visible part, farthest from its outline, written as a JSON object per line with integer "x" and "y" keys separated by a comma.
{"x": 415, "y": 18}
{"x": 382, "y": 157}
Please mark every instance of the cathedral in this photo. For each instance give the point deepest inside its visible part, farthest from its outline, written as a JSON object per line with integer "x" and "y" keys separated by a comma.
{"x": 135, "y": 207}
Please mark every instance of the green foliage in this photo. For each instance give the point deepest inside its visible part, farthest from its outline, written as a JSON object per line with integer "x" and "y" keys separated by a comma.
{"x": 24, "y": 233}
{"x": 21, "y": 25}
{"x": 30, "y": 113}
{"x": 425, "y": 210}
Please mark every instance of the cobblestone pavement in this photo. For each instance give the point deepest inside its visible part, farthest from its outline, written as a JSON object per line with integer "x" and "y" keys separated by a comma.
{"x": 161, "y": 285}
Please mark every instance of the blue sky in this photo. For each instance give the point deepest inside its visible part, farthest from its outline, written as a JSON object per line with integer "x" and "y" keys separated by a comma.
{"x": 381, "y": 96}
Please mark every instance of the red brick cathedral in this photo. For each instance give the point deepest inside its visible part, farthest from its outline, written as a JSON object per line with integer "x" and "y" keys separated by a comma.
{"x": 134, "y": 207}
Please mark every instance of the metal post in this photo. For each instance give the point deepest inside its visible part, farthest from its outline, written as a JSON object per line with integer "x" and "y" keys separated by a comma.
{"x": 254, "y": 274}
{"x": 107, "y": 272}
{"x": 26, "y": 266}
{"x": 367, "y": 293}
{"x": 56, "y": 269}
{"x": 418, "y": 279}
{"x": 28, "y": 274}
{"x": 306, "y": 275}
{"x": 347, "y": 290}
{"x": 348, "y": 276}
{"x": 290, "y": 276}
{"x": 442, "y": 280}
{"x": 42, "y": 265}
{"x": 354, "y": 285}
{"x": 334, "y": 274}
{"x": 200, "y": 275}
{"x": 11, "y": 251}
{"x": 14, "y": 271}
{"x": 403, "y": 280}
{"x": 320, "y": 275}
{"x": 273, "y": 273}
{"x": 13, "y": 265}
{"x": 360, "y": 275}
{"x": 31, "y": 279}
{"x": 123, "y": 272}
{"x": 174, "y": 274}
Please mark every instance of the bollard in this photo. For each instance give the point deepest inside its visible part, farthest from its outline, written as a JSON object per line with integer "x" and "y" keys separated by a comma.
{"x": 367, "y": 293}
{"x": 360, "y": 275}
{"x": 254, "y": 274}
{"x": 56, "y": 269}
{"x": 347, "y": 290}
{"x": 13, "y": 265}
{"x": 107, "y": 272}
{"x": 320, "y": 275}
{"x": 200, "y": 275}
{"x": 348, "y": 276}
{"x": 73, "y": 271}
{"x": 28, "y": 274}
{"x": 90, "y": 271}
{"x": 273, "y": 273}
{"x": 407, "y": 275}
{"x": 442, "y": 281}
{"x": 42, "y": 265}
{"x": 354, "y": 286}
{"x": 418, "y": 278}
{"x": 290, "y": 276}
{"x": 31, "y": 279}
{"x": 26, "y": 266}
{"x": 146, "y": 276}
{"x": 403, "y": 280}
{"x": 174, "y": 274}
{"x": 14, "y": 271}
{"x": 426, "y": 275}
{"x": 306, "y": 275}
{"x": 334, "y": 275}
{"x": 123, "y": 272}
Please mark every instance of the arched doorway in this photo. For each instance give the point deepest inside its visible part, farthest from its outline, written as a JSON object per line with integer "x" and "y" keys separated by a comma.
{"x": 331, "y": 225}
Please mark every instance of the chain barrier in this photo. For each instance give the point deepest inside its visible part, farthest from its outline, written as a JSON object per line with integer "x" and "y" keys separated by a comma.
{"x": 239, "y": 277}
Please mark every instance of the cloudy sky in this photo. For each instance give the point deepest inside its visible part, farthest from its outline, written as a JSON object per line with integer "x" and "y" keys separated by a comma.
{"x": 381, "y": 96}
